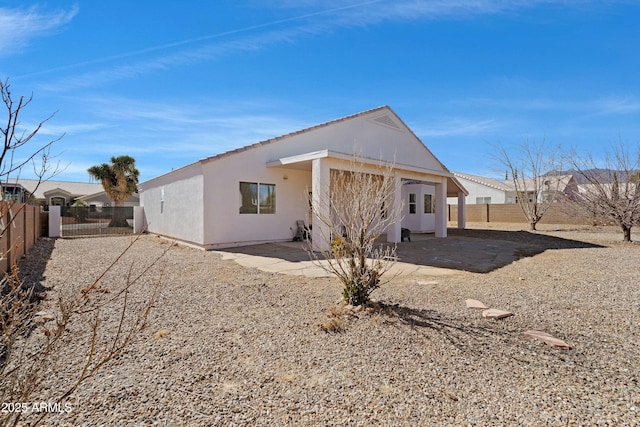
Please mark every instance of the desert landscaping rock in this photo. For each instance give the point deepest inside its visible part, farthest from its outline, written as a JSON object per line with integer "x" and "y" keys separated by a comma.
{"x": 230, "y": 345}
{"x": 494, "y": 313}
{"x": 475, "y": 304}
{"x": 548, "y": 339}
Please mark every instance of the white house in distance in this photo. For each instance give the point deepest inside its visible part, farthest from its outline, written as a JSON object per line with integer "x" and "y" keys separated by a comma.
{"x": 58, "y": 193}
{"x": 255, "y": 194}
{"x": 483, "y": 190}
{"x": 65, "y": 193}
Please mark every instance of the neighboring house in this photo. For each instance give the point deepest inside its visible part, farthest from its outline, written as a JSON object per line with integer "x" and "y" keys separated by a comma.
{"x": 491, "y": 191}
{"x": 16, "y": 193}
{"x": 65, "y": 193}
{"x": 555, "y": 187}
{"x": 482, "y": 190}
{"x": 256, "y": 193}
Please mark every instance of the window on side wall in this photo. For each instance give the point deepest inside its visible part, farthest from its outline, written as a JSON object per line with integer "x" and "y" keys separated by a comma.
{"x": 412, "y": 203}
{"x": 257, "y": 198}
{"x": 483, "y": 200}
{"x": 429, "y": 204}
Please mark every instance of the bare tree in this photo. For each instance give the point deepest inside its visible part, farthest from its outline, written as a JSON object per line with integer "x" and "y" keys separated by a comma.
{"x": 13, "y": 157}
{"x": 31, "y": 341}
{"x": 612, "y": 189}
{"x": 360, "y": 210}
{"x": 535, "y": 174}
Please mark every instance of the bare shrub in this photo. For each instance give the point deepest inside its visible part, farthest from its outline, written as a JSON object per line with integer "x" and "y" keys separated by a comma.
{"x": 34, "y": 341}
{"x": 361, "y": 208}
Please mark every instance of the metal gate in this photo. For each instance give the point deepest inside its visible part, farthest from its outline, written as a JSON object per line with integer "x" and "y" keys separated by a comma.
{"x": 96, "y": 221}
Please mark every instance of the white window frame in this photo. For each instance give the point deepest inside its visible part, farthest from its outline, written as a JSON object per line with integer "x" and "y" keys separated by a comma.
{"x": 413, "y": 205}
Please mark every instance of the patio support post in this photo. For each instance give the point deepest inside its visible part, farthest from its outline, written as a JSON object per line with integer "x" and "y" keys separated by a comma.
{"x": 394, "y": 231}
{"x": 462, "y": 210}
{"x": 441, "y": 209}
{"x": 320, "y": 191}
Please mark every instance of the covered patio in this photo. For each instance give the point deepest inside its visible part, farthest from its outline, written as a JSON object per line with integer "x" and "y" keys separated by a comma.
{"x": 320, "y": 164}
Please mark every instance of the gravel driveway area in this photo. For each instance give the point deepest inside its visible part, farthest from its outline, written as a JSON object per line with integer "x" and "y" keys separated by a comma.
{"x": 228, "y": 345}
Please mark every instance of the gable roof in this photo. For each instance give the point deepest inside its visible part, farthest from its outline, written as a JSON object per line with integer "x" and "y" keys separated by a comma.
{"x": 488, "y": 182}
{"x": 383, "y": 120}
{"x": 558, "y": 183}
{"x": 382, "y": 116}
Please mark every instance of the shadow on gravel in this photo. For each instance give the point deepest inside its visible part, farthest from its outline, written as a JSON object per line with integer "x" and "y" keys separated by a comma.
{"x": 487, "y": 339}
{"x": 482, "y": 251}
{"x": 31, "y": 274}
{"x": 458, "y": 333}
{"x": 32, "y": 267}
{"x": 477, "y": 251}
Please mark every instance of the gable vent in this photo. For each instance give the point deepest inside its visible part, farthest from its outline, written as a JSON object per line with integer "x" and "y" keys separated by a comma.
{"x": 386, "y": 121}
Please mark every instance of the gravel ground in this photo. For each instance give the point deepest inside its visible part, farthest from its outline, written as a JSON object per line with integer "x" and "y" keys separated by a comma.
{"x": 227, "y": 345}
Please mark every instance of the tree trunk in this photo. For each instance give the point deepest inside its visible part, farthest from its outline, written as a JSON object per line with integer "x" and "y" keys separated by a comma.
{"x": 627, "y": 233}
{"x": 119, "y": 218}
{"x": 533, "y": 225}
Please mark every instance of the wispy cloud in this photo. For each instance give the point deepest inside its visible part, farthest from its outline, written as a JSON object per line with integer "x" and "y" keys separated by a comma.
{"x": 165, "y": 61}
{"x": 310, "y": 18}
{"x": 595, "y": 106}
{"x": 58, "y": 129}
{"x": 351, "y": 13}
{"x": 19, "y": 26}
{"x": 616, "y": 106}
{"x": 456, "y": 127}
{"x": 307, "y": 18}
{"x": 189, "y": 130}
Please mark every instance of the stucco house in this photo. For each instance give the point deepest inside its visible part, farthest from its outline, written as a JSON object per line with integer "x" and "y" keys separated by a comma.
{"x": 65, "y": 193}
{"x": 58, "y": 193}
{"x": 482, "y": 190}
{"x": 256, "y": 193}
{"x": 548, "y": 187}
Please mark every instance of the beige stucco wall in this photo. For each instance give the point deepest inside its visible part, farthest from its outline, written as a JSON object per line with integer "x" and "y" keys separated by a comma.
{"x": 478, "y": 190}
{"x": 418, "y": 222}
{"x": 173, "y": 204}
{"x": 225, "y": 226}
{"x": 202, "y": 200}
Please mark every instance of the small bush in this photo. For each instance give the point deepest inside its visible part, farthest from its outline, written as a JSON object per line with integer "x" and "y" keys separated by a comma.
{"x": 333, "y": 324}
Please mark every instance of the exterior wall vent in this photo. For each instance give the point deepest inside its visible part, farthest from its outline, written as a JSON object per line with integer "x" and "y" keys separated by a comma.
{"x": 386, "y": 120}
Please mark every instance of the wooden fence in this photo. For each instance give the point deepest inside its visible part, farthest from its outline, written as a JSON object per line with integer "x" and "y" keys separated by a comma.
{"x": 559, "y": 213}
{"x": 21, "y": 225}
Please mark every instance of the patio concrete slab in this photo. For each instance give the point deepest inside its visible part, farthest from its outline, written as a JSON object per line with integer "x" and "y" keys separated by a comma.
{"x": 473, "y": 250}
{"x": 291, "y": 258}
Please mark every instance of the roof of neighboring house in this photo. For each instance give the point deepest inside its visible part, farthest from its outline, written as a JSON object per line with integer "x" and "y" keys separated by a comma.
{"x": 75, "y": 189}
{"x": 488, "y": 182}
{"x": 557, "y": 182}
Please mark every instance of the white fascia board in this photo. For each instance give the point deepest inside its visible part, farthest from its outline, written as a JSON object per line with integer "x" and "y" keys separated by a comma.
{"x": 299, "y": 158}
{"x": 348, "y": 157}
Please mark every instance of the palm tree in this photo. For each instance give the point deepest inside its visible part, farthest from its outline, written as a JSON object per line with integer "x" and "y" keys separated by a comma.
{"x": 119, "y": 180}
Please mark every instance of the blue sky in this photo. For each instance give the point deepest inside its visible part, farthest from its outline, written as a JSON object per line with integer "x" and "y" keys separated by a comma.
{"x": 171, "y": 82}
